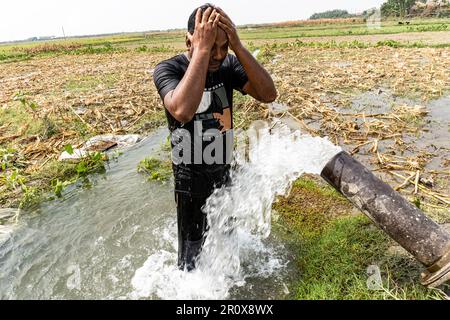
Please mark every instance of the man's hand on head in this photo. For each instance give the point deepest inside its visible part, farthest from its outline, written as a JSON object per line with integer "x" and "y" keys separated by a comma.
{"x": 230, "y": 28}
{"x": 205, "y": 33}
{"x": 260, "y": 84}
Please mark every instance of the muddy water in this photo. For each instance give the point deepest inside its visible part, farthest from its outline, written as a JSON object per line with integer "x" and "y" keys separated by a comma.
{"x": 92, "y": 243}
{"x": 436, "y": 137}
{"x": 435, "y": 127}
{"x": 433, "y": 136}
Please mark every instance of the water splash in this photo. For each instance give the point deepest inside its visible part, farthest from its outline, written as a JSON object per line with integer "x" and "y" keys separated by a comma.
{"x": 239, "y": 218}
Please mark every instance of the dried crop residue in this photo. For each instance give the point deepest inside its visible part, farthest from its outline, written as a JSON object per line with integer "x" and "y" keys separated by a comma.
{"x": 49, "y": 102}
{"x": 69, "y": 98}
{"x": 120, "y": 93}
{"x": 320, "y": 85}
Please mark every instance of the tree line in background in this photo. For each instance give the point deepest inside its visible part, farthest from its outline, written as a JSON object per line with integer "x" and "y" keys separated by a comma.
{"x": 395, "y": 8}
{"x": 331, "y": 14}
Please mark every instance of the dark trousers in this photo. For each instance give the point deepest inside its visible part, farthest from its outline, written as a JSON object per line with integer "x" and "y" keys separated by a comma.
{"x": 191, "y": 192}
{"x": 192, "y": 225}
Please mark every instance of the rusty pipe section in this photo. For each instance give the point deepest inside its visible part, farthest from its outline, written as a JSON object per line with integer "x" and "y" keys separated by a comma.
{"x": 401, "y": 220}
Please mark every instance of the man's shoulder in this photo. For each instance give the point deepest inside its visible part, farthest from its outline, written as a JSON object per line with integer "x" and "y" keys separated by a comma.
{"x": 178, "y": 61}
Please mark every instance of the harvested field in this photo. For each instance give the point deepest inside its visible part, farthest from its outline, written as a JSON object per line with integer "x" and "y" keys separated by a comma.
{"x": 73, "y": 98}
{"x": 85, "y": 95}
{"x": 334, "y": 93}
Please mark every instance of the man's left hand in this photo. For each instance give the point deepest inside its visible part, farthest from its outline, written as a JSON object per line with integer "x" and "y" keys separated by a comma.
{"x": 230, "y": 28}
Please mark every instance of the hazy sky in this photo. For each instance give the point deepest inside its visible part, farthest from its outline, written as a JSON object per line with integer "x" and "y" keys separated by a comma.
{"x": 20, "y": 19}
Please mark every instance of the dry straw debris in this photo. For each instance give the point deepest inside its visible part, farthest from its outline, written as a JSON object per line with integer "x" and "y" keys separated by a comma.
{"x": 318, "y": 86}
{"x": 73, "y": 97}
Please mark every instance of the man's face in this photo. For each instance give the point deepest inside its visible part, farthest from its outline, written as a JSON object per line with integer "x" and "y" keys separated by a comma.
{"x": 218, "y": 52}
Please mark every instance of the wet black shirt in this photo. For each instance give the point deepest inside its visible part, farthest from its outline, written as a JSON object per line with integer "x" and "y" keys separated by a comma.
{"x": 215, "y": 111}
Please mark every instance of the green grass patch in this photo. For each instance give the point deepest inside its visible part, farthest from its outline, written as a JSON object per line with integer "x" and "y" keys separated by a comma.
{"x": 19, "y": 189}
{"x": 159, "y": 166}
{"x": 311, "y": 207}
{"x": 22, "y": 116}
{"x": 154, "y": 49}
{"x": 90, "y": 49}
{"x": 323, "y": 30}
{"x": 156, "y": 169}
{"x": 335, "y": 263}
{"x": 21, "y": 53}
{"x": 17, "y": 116}
{"x": 88, "y": 82}
{"x": 428, "y": 28}
{"x": 57, "y": 175}
{"x": 268, "y": 50}
{"x": 13, "y": 57}
{"x": 335, "y": 248}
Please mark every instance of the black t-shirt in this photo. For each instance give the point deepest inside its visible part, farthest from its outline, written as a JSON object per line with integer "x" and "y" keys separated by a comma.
{"x": 215, "y": 112}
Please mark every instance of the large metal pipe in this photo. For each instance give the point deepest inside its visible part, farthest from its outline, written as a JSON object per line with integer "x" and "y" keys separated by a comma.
{"x": 401, "y": 220}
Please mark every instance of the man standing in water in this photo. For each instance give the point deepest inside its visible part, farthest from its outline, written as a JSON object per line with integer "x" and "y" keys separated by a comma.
{"x": 197, "y": 90}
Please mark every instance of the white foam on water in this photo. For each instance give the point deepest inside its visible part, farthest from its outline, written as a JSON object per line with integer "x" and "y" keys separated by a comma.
{"x": 239, "y": 219}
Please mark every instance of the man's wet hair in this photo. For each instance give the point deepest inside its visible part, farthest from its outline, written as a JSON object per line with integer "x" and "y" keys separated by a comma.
{"x": 191, "y": 21}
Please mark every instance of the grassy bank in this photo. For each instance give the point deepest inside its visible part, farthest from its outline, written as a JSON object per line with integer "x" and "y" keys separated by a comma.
{"x": 334, "y": 247}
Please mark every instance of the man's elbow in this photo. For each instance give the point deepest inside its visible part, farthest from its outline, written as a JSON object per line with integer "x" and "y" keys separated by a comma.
{"x": 182, "y": 116}
{"x": 270, "y": 96}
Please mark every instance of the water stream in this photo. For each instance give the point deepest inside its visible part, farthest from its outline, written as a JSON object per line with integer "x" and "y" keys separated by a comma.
{"x": 117, "y": 239}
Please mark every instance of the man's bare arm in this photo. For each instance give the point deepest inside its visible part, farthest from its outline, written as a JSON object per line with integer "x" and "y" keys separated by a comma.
{"x": 260, "y": 84}
{"x": 182, "y": 103}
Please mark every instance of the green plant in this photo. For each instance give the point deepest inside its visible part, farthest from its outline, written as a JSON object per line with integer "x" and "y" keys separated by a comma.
{"x": 49, "y": 128}
{"x": 143, "y": 48}
{"x": 23, "y": 99}
{"x": 7, "y": 156}
{"x": 166, "y": 146}
{"x": 267, "y": 54}
{"x": 59, "y": 186}
{"x": 439, "y": 27}
{"x": 156, "y": 169}
{"x": 13, "y": 57}
{"x": 389, "y": 43}
{"x": 417, "y": 202}
{"x": 14, "y": 180}
{"x": 30, "y": 196}
{"x": 69, "y": 149}
{"x": 251, "y": 46}
{"x": 92, "y": 163}
{"x": 90, "y": 49}
{"x": 154, "y": 49}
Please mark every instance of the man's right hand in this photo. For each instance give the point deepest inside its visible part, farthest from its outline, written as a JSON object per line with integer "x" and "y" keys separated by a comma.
{"x": 182, "y": 103}
{"x": 205, "y": 29}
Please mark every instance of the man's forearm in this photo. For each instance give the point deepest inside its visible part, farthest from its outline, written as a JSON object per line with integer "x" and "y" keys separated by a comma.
{"x": 188, "y": 94}
{"x": 258, "y": 77}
